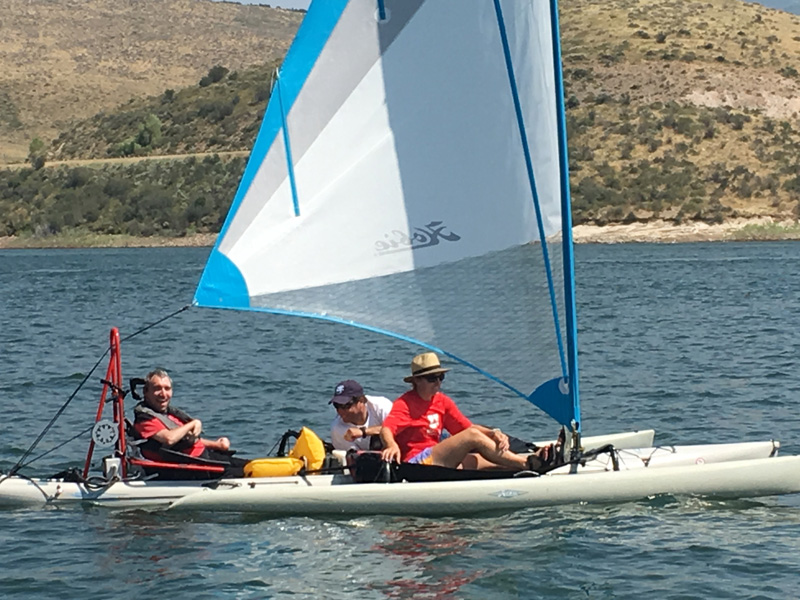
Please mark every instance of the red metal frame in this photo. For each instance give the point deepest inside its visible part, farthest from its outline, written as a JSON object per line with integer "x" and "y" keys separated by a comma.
{"x": 146, "y": 462}
{"x": 114, "y": 377}
{"x": 113, "y": 393}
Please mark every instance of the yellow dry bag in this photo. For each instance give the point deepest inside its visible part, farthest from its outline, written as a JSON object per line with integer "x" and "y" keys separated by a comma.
{"x": 308, "y": 452}
{"x": 309, "y": 448}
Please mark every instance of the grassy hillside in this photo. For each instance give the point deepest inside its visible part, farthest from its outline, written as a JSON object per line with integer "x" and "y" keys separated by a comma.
{"x": 169, "y": 198}
{"x": 65, "y": 60}
{"x": 676, "y": 110}
{"x": 681, "y": 109}
{"x": 221, "y": 113}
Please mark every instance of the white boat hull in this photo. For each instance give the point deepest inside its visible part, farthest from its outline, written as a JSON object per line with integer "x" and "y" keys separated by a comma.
{"x": 737, "y": 479}
{"x": 627, "y": 439}
{"x": 18, "y": 491}
{"x": 673, "y": 456}
{"x": 677, "y": 468}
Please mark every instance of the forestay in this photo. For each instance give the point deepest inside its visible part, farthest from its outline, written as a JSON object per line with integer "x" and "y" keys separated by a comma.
{"x": 407, "y": 169}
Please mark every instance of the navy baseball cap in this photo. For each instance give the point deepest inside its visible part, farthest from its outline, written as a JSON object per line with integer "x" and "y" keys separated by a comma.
{"x": 345, "y": 391}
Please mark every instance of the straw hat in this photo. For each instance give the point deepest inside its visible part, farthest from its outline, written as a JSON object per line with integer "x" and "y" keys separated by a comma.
{"x": 425, "y": 364}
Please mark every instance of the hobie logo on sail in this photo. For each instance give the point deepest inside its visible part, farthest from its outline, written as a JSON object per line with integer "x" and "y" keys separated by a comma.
{"x": 421, "y": 237}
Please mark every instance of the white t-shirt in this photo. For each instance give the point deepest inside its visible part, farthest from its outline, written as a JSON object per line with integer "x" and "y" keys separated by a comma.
{"x": 378, "y": 409}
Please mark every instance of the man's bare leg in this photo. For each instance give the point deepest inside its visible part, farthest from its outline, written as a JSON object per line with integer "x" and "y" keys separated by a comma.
{"x": 452, "y": 451}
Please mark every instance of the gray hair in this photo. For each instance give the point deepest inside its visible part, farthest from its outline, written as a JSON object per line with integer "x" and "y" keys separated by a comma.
{"x": 161, "y": 373}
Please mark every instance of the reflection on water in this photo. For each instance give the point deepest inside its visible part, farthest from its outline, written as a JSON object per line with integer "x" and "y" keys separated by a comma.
{"x": 421, "y": 547}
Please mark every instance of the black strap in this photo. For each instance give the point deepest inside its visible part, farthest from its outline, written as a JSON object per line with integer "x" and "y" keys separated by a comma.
{"x": 134, "y": 383}
{"x": 285, "y": 440}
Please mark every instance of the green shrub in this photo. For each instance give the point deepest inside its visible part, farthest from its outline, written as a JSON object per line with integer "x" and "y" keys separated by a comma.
{"x": 215, "y": 74}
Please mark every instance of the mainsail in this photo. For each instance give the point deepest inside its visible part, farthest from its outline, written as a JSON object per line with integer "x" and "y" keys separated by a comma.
{"x": 409, "y": 177}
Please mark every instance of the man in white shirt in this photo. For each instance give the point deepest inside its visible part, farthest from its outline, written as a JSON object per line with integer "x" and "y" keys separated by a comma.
{"x": 358, "y": 417}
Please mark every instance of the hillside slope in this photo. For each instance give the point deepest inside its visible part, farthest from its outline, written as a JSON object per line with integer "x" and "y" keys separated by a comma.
{"x": 69, "y": 59}
{"x": 682, "y": 109}
{"x": 678, "y": 111}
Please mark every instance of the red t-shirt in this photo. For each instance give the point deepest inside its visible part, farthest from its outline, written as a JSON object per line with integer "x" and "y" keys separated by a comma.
{"x": 417, "y": 424}
{"x": 149, "y": 427}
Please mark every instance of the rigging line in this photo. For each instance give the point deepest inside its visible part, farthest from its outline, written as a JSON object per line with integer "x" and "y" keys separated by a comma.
{"x": 21, "y": 462}
{"x": 59, "y": 412}
{"x": 61, "y": 445}
{"x": 146, "y": 327}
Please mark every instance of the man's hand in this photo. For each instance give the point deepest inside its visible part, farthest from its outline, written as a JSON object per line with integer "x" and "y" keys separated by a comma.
{"x": 352, "y": 434}
{"x": 391, "y": 453}
{"x": 196, "y": 427}
{"x": 221, "y": 444}
{"x": 501, "y": 439}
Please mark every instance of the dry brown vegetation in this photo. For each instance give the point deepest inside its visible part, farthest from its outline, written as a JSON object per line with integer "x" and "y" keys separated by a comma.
{"x": 711, "y": 88}
{"x": 65, "y": 60}
{"x": 709, "y": 53}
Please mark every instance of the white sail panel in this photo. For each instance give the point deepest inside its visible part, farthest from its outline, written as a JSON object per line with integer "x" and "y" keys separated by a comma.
{"x": 422, "y": 137}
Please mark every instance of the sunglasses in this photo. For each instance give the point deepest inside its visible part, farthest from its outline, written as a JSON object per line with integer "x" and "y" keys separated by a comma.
{"x": 434, "y": 378}
{"x": 352, "y": 402}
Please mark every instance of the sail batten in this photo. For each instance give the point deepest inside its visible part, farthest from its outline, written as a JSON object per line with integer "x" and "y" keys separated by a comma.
{"x": 287, "y": 148}
{"x": 407, "y": 180}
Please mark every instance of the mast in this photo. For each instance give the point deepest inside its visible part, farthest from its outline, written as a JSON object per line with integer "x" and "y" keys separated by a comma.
{"x": 566, "y": 224}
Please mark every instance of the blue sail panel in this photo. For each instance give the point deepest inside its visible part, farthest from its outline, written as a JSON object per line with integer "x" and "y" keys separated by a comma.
{"x": 222, "y": 284}
{"x": 553, "y": 397}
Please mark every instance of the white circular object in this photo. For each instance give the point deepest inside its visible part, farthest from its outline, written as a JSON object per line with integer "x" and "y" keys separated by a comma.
{"x": 105, "y": 433}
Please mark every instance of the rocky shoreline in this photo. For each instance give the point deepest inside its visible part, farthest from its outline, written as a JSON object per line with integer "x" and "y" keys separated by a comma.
{"x": 658, "y": 231}
{"x": 197, "y": 240}
{"x": 663, "y": 232}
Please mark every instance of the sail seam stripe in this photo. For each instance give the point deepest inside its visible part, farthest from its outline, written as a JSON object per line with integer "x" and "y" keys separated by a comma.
{"x": 532, "y": 181}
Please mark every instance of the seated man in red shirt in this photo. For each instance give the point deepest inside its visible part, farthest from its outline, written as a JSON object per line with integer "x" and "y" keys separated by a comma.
{"x": 412, "y": 431}
{"x": 172, "y": 428}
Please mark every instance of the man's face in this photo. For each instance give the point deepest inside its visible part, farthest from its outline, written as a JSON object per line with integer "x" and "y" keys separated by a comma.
{"x": 354, "y": 412}
{"x": 158, "y": 393}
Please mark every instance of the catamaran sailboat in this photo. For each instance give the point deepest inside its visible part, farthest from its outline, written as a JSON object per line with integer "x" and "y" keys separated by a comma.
{"x": 410, "y": 178}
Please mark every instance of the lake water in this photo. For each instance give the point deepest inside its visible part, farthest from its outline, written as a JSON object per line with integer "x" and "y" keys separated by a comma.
{"x": 698, "y": 341}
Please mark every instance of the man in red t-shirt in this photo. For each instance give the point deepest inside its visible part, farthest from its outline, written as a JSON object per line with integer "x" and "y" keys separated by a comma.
{"x": 413, "y": 429}
{"x": 156, "y": 420}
